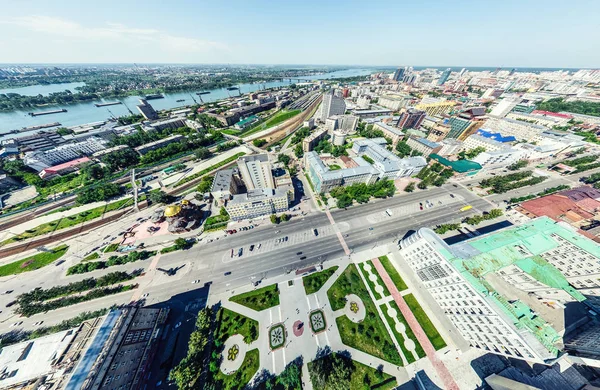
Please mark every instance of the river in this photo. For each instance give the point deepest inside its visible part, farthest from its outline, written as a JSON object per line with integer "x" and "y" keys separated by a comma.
{"x": 81, "y": 113}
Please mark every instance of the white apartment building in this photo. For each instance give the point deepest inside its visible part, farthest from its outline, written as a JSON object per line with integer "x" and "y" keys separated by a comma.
{"x": 522, "y": 131}
{"x": 363, "y": 102}
{"x": 450, "y": 146}
{"x": 258, "y": 202}
{"x": 505, "y": 106}
{"x": 391, "y": 132}
{"x": 256, "y": 171}
{"x": 543, "y": 120}
{"x": 472, "y": 282}
{"x": 387, "y": 163}
{"x": 475, "y": 140}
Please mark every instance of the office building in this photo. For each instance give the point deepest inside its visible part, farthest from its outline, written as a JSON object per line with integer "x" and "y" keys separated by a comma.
{"x": 411, "y": 119}
{"x": 345, "y": 123}
{"x": 372, "y": 113}
{"x": 324, "y": 179}
{"x": 444, "y": 77}
{"x": 505, "y": 106}
{"x": 423, "y": 146}
{"x": 522, "y": 131}
{"x": 492, "y": 93}
{"x": 461, "y": 128}
{"x": 161, "y": 143}
{"x": 147, "y": 110}
{"x": 389, "y": 165}
{"x": 436, "y": 108}
{"x": 258, "y": 202}
{"x": 227, "y": 182}
{"x": 399, "y": 74}
{"x": 394, "y": 102}
{"x": 500, "y": 158}
{"x": 449, "y": 147}
{"x": 256, "y": 171}
{"x": 121, "y": 351}
{"x": 488, "y": 143}
{"x": 438, "y": 132}
{"x": 507, "y": 292}
{"x": 332, "y": 105}
{"x": 391, "y": 132}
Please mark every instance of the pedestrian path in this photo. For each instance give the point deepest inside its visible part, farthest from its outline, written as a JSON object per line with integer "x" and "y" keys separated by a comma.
{"x": 440, "y": 368}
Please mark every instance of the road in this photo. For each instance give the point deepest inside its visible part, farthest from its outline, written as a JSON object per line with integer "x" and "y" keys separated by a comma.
{"x": 209, "y": 262}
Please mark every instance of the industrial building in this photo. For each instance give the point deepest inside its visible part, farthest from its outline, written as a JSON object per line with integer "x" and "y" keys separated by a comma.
{"x": 147, "y": 110}
{"x": 39, "y": 160}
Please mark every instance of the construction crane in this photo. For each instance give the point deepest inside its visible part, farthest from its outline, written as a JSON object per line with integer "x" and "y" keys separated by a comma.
{"x": 195, "y": 102}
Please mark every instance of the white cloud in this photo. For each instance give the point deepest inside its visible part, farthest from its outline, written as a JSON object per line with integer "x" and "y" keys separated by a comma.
{"x": 117, "y": 33}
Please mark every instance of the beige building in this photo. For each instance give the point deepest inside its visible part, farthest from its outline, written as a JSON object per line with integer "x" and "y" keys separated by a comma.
{"x": 423, "y": 146}
{"x": 259, "y": 202}
{"x": 437, "y": 108}
{"x": 394, "y": 102}
{"x": 312, "y": 140}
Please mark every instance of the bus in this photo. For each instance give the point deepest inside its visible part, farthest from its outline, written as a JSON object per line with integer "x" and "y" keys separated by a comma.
{"x": 469, "y": 207}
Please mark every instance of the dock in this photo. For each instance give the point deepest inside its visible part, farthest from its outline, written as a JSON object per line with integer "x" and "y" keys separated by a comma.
{"x": 31, "y": 128}
{"x": 154, "y": 96}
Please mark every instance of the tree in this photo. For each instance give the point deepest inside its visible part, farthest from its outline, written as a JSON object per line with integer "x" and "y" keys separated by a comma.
{"x": 202, "y": 153}
{"x": 181, "y": 244}
{"x": 298, "y": 151}
{"x": 259, "y": 142}
{"x": 495, "y": 213}
{"x": 94, "y": 171}
{"x": 285, "y": 217}
{"x": 98, "y": 193}
{"x": 274, "y": 219}
{"x": 344, "y": 201}
{"x": 159, "y": 197}
{"x": 403, "y": 149}
{"x": 422, "y": 185}
{"x": 223, "y": 212}
{"x": 284, "y": 158}
{"x": 205, "y": 184}
{"x": 410, "y": 187}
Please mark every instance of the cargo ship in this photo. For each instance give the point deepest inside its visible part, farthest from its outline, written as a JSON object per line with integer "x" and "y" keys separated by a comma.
{"x": 47, "y": 112}
{"x": 233, "y": 88}
{"x": 203, "y": 93}
{"x": 107, "y": 104}
{"x": 180, "y": 100}
{"x": 154, "y": 96}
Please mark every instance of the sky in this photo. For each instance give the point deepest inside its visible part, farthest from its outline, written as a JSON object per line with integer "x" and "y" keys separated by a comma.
{"x": 507, "y": 33}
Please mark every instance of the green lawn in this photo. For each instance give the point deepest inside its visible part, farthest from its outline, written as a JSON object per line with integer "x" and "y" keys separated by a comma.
{"x": 369, "y": 336}
{"x": 231, "y": 323}
{"x": 276, "y": 119}
{"x": 230, "y": 132}
{"x": 361, "y": 377}
{"x": 394, "y": 275}
{"x": 240, "y": 378}
{"x": 33, "y": 262}
{"x": 93, "y": 256}
{"x": 67, "y": 222}
{"x": 313, "y": 282}
{"x": 209, "y": 169}
{"x": 386, "y": 293}
{"x": 409, "y": 332}
{"x": 111, "y": 248}
{"x": 334, "y": 167}
{"x": 260, "y": 299}
{"x": 432, "y": 334}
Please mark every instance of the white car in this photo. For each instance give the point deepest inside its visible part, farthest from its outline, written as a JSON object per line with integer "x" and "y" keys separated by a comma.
{"x": 145, "y": 295}
{"x": 16, "y": 324}
{"x": 196, "y": 281}
{"x": 38, "y": 323}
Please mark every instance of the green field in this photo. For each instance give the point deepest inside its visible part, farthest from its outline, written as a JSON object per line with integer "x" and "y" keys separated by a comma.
{"x": 260, "y": 299}
{"x": 67, "y": 222}
{"x": 313, "y": 282}
{"x": 93, "y": 256}
{"x": 369, "y": 336}
{"x": 33, "y": 262}
{"x": 209, "y": 169}
{"x": 231, "y": 323}
{"x": 432, "y": 334}
{"x": 276, "y": 119}
{"x": 240, "y": 378}
{"x": 394, "y": 275}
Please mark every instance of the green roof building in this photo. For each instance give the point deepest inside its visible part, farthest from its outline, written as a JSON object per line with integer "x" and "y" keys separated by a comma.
{"x": 506, "y": 292}
{"x": 464, "y": 167}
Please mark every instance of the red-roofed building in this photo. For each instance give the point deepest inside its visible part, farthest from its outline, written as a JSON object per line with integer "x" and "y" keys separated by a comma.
{"x": 64, "y": 168}
{"x": 577, "y": 207}
{"x": 550, "y": 113}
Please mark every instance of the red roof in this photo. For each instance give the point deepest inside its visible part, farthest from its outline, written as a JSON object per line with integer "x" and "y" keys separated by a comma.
{"x": 556, "y": 207}
{"x": 67, "y": 165}
{"x": 550, "y": 113}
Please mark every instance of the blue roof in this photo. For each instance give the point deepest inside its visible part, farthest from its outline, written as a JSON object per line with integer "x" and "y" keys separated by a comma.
{"x": 428, "y": 143}
{"x": 495, "y": 136}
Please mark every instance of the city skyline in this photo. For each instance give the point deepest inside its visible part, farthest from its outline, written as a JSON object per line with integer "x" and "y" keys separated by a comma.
{"x": 507, "y": 35}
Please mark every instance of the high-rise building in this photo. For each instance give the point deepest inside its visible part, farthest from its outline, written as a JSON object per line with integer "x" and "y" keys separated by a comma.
{"x": 505, "y": 106}
{"x": 411, "y": 119}
{"x": 256, "y": 171}
{"x": 399, "y": 74}
{"x": 444, "y": 76}
{"x": 332, "y": 105}
{"x": 345, "y": 92}
{"x": 147, "y": 110}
